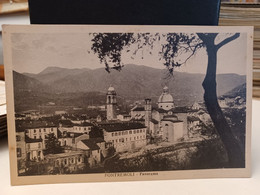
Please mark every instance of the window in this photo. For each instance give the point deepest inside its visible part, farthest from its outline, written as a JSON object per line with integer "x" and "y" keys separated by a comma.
{"x": 34, "y": 130}
{"x": 34, "y": 137}
{"x": 72, "y": 160}
{"x": 137, "y": 131}
{"x": 119, "y": 133}
{"x": 57, "y": 163}
{"x": 51, "y": 129}
{"x": 112, "y": 134}
{"x": 44, "y": 130}
{"x": 19, "y": 152}
{"x": 134, "y": 132}
{"x": 65, "y": 161}
{"x": 18, "y": 138}
{"x": 39, "y": 130}
{"x": 126, "y": 139}
{"x": 130, "y": 132}
{"x": 78, "y": 159}
{"x": 115, "y": 134}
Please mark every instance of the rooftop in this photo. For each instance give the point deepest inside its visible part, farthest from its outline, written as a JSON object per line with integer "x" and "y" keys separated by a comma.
{"x": 193, "y": 118}
{"x": 66, "y": 123}
{"x": 23, "y": 125}
{"x": 30, "y": 140}
{"x": 84, "y": 124}
{"x": 154, "y": 121}
{"x": 138, "y": 108}
{"x": 67, "y": 154}
{"x": 111, "y": 127}
{"x": 91, "y": 144}
{"x": 172, "y": 120}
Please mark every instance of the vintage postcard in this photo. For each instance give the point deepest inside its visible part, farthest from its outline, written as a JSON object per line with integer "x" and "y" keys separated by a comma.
{"x": 127, "y": 103}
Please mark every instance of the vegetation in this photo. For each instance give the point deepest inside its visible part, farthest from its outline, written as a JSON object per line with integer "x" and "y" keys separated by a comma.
{"x": 52, "y": 145}
{"x": 175, "y": 48}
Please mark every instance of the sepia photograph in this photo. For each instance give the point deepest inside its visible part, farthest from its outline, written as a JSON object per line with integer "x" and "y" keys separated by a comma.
{"x": 125, "y": 103}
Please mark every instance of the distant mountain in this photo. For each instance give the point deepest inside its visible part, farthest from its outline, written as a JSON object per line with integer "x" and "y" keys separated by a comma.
{"x": 25, "y": 83}
{"x": 52, "y": 74}
{"x": 237, "y": 91}
{"x": 134, "y": 82}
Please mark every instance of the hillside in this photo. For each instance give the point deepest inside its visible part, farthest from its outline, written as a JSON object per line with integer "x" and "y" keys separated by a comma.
{"x": 132, "y": 83}
{"x": 237, "y": 91}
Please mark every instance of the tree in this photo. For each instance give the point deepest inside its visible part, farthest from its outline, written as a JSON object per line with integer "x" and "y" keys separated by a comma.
{"x": 96, "y": 132}
{"x": 176, "y": 50}
{"x": 52, "y": 145}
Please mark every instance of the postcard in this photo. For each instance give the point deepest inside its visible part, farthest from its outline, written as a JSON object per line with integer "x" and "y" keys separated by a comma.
{"x": 90, "y": 103}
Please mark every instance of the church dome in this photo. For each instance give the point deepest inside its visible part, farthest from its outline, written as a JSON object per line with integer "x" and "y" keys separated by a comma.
{"x": 166, "y": 97}
{"x": 111, "y": 88}
{"x": 165, "y": 100}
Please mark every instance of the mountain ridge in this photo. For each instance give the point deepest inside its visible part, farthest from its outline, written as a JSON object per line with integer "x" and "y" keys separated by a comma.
{"x": 134, "y": 82}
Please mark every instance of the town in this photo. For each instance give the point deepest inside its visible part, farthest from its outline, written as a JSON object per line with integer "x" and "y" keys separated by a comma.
{"x": 63, "y": 143}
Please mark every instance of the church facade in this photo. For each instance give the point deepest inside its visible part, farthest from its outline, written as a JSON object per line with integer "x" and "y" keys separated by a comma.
{"x": 164, "y": 121}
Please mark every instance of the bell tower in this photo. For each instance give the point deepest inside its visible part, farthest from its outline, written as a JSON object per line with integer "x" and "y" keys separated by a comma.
{"x": 111, "y": 103}
{"x": 148, "y": 113}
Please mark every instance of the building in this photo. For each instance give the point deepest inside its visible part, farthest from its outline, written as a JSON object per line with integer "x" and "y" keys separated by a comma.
{"x": 34, "y": 149}
{"x": 165, "y": 100}
{"x": 193, "y": 123}
{"x": 148, "y": 113}
{"x": 172, "y": 129}
{"x": 20, "y": 145}
{"x": 71, "y": 139}
{"x": 94, "y": 150}
{"x": 84, "y": 127}
{"x": 137, "y": 112}
{"x": 124, "y": 117}
{"x": 125, "y": 136}
{"x": 111, "y": 104}
{"x": 21, "y": 152}
{"x": 40, "y": 131}
{"x": 163, "y": 119}
{"x": 68, "y": 162}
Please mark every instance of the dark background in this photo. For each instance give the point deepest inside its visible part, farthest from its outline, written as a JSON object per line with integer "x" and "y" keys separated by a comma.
{"x": 148, "y": 12}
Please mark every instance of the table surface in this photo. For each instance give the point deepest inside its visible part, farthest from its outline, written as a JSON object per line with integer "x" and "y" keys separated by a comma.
{"x": 237, "y": 186}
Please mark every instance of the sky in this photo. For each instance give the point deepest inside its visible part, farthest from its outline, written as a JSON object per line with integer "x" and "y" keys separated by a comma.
{"x": 32, "y": 53}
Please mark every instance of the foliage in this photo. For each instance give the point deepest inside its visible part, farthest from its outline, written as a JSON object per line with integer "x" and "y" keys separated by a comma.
{"x": 96, "y": 132}
{"x": 52, "y": 145}
{"x": 175, "y": 48}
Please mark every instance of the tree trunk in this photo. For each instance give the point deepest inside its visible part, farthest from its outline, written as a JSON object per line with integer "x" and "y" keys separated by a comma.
{"x": 235, "y": 155}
